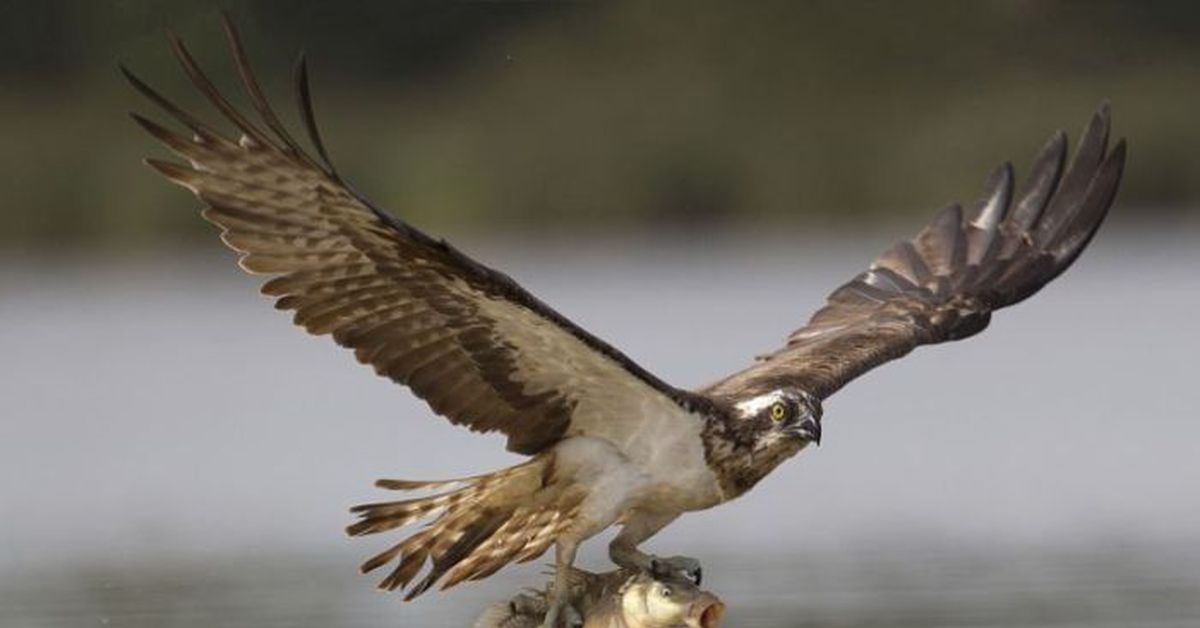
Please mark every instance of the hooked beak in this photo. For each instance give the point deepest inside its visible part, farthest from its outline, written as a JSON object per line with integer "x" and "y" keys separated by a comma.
{"x": 809, "y": 429}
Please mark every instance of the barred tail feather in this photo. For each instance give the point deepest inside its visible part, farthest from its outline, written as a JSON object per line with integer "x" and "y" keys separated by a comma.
{"x": 481, "y": 524}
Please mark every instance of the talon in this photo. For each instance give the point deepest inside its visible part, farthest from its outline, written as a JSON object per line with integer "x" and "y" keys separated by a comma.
{"x": 660, "y": 569}
{"x": 572, "y": 618}
{"x": 677, "y": 568}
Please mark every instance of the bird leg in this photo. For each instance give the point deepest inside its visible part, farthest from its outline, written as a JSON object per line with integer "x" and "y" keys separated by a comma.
{"x": 624, "y": 551}
{"x": 558, "y": 614}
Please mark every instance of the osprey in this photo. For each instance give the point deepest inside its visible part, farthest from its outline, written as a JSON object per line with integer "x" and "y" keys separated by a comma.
{"x": 609, "y": 443}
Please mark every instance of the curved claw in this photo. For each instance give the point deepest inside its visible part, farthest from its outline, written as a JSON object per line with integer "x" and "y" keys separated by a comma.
{"x": 572, "y": 618}
{"x": 677, "y": 568}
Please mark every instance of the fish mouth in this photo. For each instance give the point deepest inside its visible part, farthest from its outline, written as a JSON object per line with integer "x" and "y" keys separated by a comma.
{"x": 706, "y": 612}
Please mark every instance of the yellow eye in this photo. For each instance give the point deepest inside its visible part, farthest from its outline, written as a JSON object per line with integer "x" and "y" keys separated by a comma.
{"x": 778, "y": 412}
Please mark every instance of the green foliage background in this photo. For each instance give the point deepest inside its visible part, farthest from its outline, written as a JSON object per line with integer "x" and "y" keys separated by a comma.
{"x": 585, "y": 117}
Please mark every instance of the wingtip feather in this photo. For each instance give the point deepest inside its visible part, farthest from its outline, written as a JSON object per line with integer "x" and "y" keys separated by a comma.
{"x": 175, "y": 171}
{"x": 304, "y": 100}
{"x": 993, "y": 206}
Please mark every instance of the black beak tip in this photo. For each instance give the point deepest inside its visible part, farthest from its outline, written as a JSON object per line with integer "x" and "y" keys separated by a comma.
{"x": 811, "y": 430}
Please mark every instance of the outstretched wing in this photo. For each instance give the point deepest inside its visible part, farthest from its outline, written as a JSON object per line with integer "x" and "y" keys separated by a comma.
{"x": 944, "y": 283}
{"x": 467, "y": 339}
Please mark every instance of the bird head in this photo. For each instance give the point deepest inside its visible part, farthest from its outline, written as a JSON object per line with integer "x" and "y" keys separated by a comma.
{"x": 783, "y": 415}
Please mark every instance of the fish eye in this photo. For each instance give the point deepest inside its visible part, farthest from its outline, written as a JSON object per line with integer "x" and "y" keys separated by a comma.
{"x": 666, "y": 592}
{"x": 778, "y": 411}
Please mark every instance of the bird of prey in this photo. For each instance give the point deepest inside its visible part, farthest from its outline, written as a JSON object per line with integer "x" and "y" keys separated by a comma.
{"x": 608, "y": 443}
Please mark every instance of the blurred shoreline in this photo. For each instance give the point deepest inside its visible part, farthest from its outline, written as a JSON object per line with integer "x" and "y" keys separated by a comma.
{"x": 609, "y": 117}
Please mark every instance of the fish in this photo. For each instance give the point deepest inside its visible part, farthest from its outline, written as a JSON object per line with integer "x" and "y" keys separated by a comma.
{"x": 616, "y": 599}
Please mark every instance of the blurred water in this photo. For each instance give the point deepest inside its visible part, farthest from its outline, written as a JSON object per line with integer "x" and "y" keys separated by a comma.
{"x": 172, "y": 453}
{"x": 1128, "y": 586}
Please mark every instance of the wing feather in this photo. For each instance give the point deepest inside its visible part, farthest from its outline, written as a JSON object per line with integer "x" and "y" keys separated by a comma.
{"x": 945, "y": 282}
{"x": 465, "y": 338}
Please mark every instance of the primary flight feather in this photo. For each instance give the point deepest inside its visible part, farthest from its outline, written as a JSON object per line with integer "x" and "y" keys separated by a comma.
{"x": 609, "y": 442}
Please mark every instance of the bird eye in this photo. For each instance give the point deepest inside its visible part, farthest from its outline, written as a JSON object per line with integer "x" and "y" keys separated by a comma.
{"x": 778, "y": 412}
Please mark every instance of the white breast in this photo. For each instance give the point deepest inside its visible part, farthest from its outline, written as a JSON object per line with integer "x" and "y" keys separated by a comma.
{"x": 665, "y": 445}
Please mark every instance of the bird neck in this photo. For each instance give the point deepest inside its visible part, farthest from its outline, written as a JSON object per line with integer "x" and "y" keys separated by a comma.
{"x": 740, "y": 459}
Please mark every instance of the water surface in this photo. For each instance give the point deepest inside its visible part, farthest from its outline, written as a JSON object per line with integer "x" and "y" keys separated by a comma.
{"x": 172, "y": 452}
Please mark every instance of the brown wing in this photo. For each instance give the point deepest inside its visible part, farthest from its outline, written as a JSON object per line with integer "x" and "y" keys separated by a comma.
{"x": 467, "y": 339}
{"x": 944, "y": 283}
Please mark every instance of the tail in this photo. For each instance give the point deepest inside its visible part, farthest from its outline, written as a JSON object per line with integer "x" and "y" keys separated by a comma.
{"x": 479, "y": 525}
